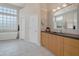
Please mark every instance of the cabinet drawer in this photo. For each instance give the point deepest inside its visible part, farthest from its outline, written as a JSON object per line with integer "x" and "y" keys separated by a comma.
{"x": 71, "y": 51}
{"x": 71, "y": 42}
{"x": 71, "y": 47}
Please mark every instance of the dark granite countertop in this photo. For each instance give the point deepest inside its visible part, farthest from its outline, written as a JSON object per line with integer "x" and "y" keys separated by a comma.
{"x": 64, "y": 34}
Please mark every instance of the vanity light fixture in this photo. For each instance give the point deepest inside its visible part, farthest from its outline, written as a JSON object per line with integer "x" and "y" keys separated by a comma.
{"x": 58, "y": 8}
{"x": 54, "y": 10}
{"x": 64, "y": 5}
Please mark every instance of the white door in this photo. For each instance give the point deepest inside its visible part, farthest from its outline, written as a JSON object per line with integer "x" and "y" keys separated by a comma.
{"x": 34, "y": 29}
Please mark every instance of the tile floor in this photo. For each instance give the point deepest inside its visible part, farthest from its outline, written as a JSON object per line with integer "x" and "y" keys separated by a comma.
{"x": 18, "y": 47}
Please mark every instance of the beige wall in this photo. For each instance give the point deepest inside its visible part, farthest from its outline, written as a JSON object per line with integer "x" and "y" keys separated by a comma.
{"x": 44, "y": 16}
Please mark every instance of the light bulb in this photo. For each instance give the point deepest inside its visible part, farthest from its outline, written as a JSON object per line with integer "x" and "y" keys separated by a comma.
{"x": 54, "y": 10}
{"x": 64, "y": 5}
{"x": 58, "y": 8}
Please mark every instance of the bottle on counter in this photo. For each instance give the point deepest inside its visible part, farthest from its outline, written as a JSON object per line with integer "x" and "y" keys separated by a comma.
{"x": 47, "y": 29}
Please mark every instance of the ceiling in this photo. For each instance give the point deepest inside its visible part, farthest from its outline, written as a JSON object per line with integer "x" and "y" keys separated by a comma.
{"x": 49, "y": 5}
{"x": 21, "y": 5}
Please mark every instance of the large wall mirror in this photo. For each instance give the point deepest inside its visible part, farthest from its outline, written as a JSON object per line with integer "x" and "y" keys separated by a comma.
{"x": 59, "y": 21}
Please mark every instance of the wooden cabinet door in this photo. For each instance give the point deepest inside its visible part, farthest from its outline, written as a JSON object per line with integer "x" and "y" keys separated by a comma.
{"x": 71, "y": 51}
{"x": 56, "y": 45}
{"x": 71, "y": 47}
{"x": 60, "y": 45}
{"x": 50, "y": 42}
{"x": 53, "y": 44}
{"x": 44, "y": 39}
